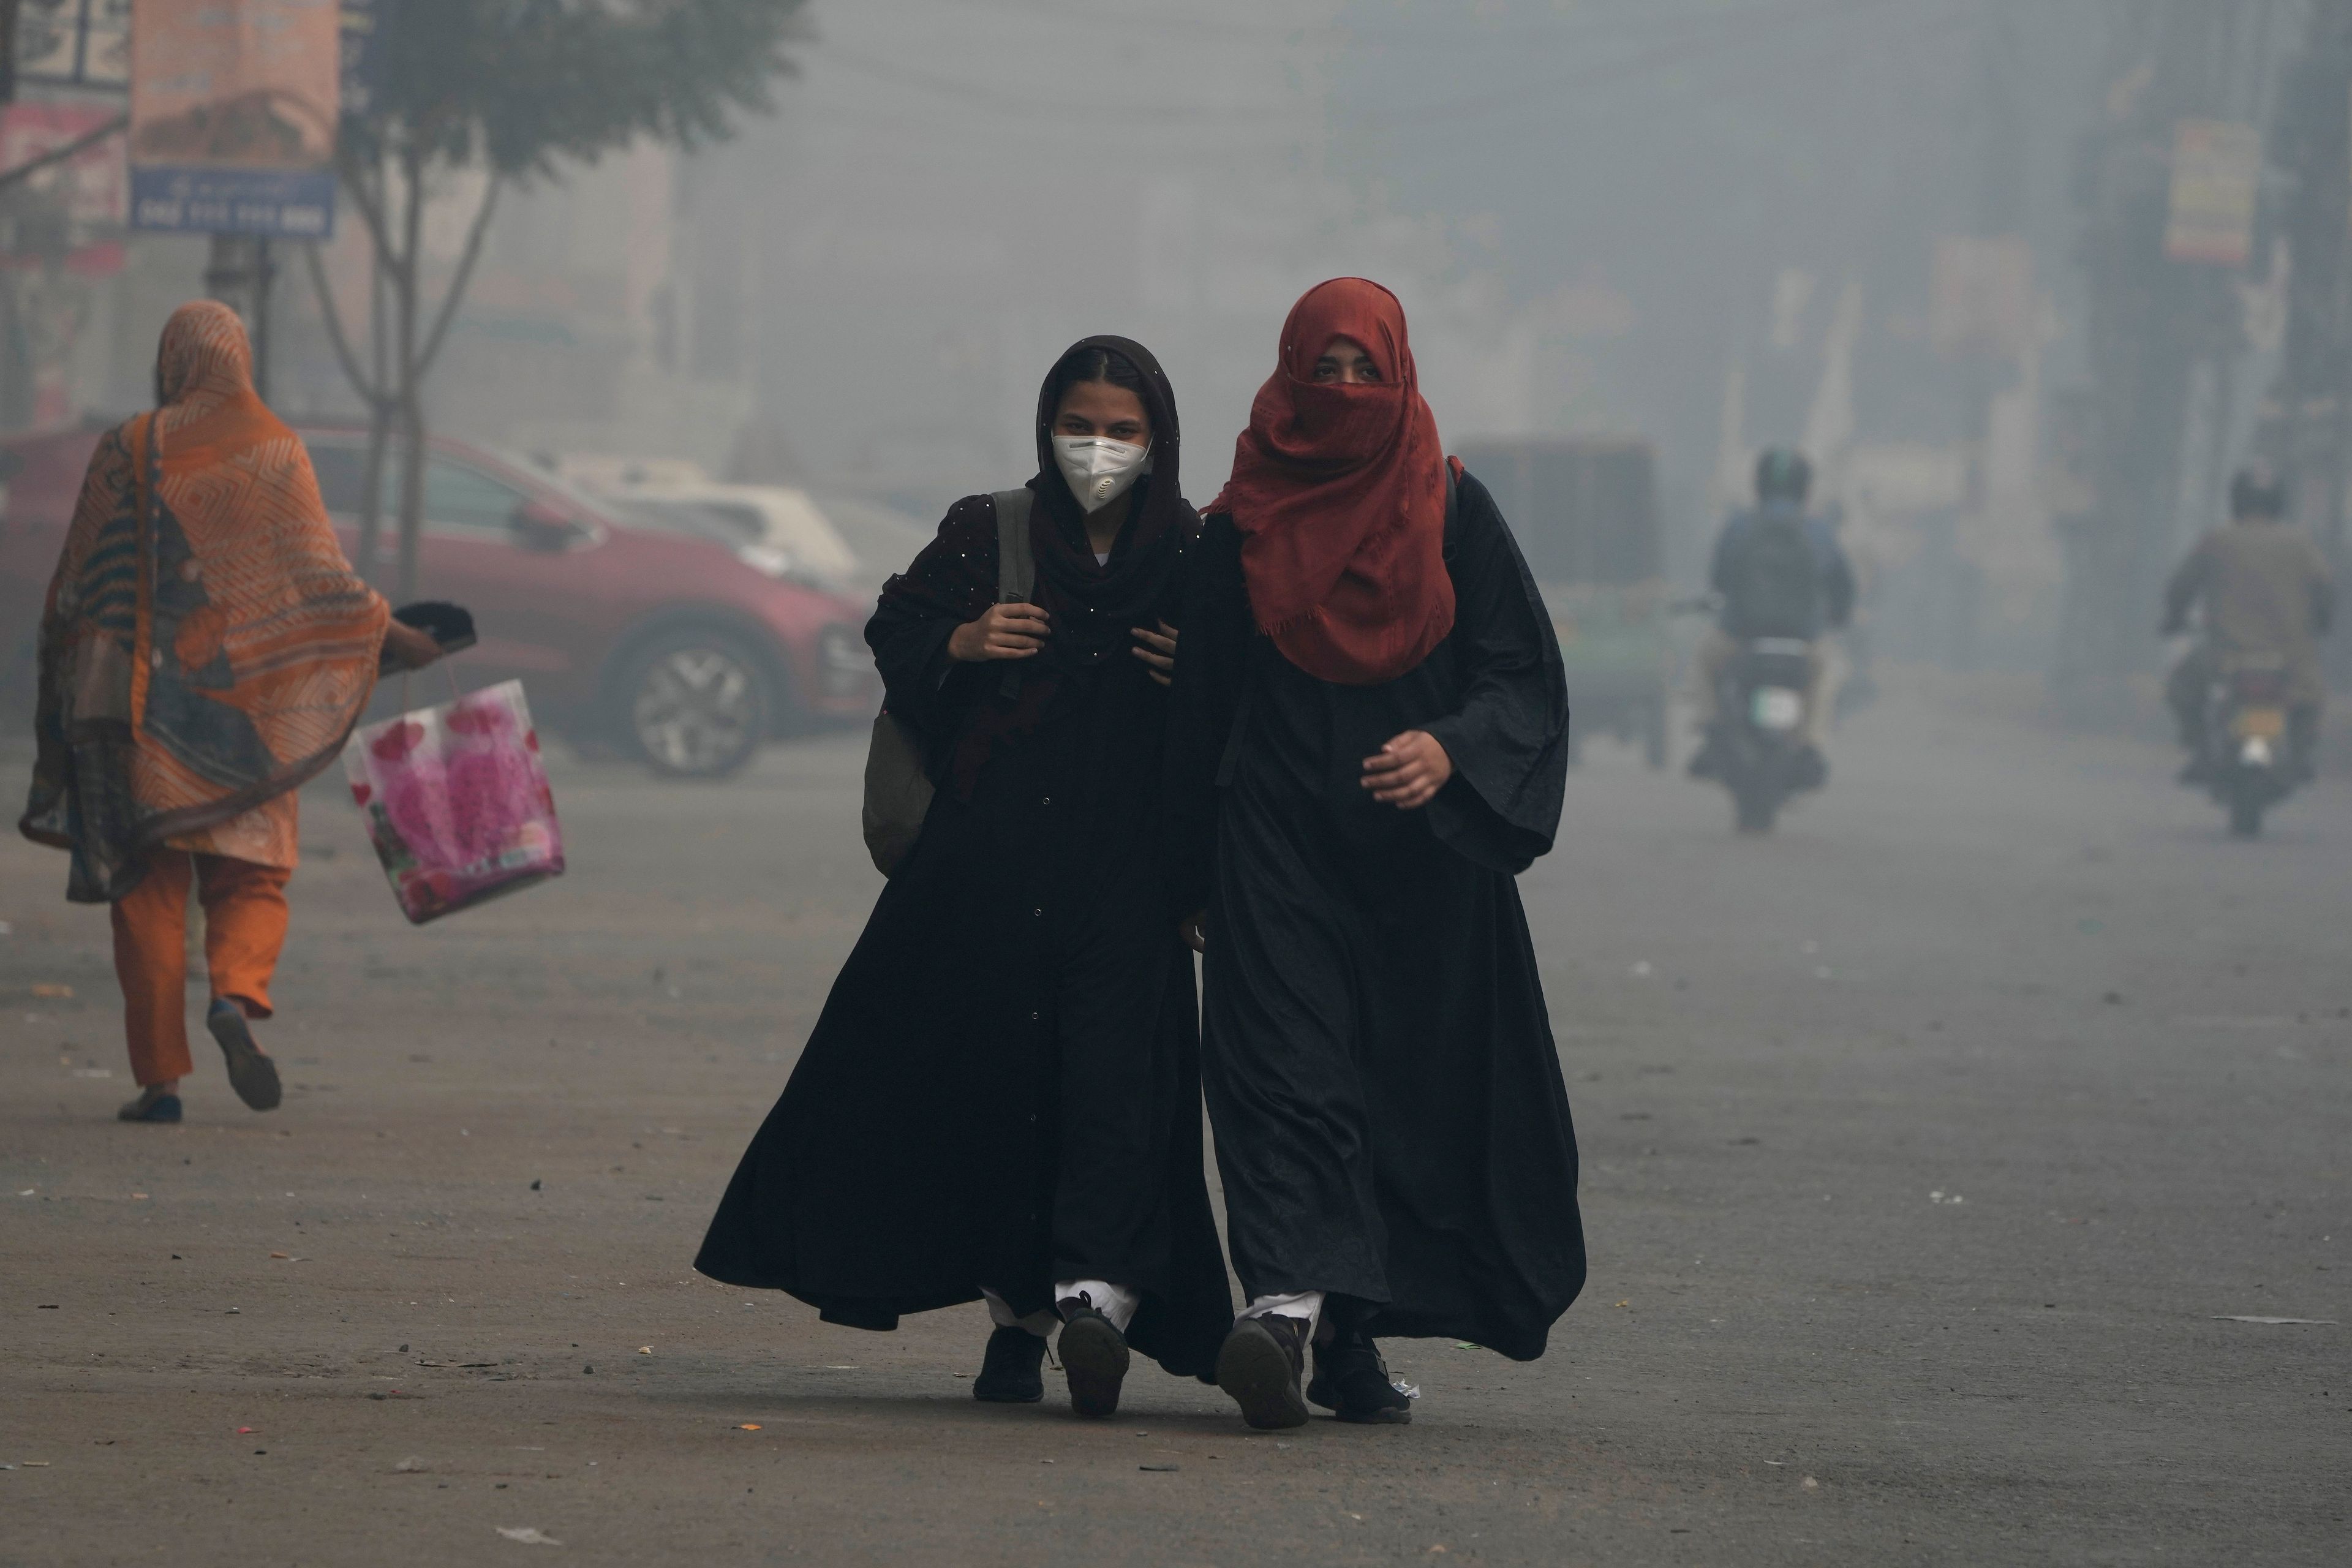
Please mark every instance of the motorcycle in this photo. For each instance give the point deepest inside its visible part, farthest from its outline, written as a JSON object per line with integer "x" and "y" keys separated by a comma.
{"x": 1756, "y": 743}
{"x": 1758, "y": 736}
{"x": 2248, "y": 763}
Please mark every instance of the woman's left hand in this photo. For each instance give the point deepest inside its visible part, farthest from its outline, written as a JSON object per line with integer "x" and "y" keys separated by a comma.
{"x": 1158, "y": 649}
{"x": 1408, "y": 770}
{"x": 410, "y": 648}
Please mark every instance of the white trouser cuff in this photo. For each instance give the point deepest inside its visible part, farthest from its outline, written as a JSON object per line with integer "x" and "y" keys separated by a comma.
{"x": 1040, "y": 1323}
{"x": 1307, "y": 1304}
{"x": 1115, "y": 1302}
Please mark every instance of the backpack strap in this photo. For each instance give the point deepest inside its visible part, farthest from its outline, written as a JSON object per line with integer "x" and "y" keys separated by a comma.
{"x": 1016, "y": 559}
{"x": 1016, "y": 563}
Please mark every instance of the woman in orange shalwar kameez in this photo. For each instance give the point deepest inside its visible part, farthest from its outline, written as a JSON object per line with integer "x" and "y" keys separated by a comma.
{"x": 205, "y": 648}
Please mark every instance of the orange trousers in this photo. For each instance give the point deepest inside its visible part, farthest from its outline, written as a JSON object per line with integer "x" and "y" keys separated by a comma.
{"x": 244, "y": 928}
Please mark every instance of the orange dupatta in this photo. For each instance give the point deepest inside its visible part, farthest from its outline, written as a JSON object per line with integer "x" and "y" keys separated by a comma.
{"x": 205, "y": 648}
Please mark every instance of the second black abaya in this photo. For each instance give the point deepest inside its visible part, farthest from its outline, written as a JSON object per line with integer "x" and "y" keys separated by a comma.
{"x": 1392, "y": 1125}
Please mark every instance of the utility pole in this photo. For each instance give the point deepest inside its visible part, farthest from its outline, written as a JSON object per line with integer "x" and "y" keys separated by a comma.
{"x": 2161, "y": 326}
{"x": 239, "y": 275}
{"x": 2306, "y": 421}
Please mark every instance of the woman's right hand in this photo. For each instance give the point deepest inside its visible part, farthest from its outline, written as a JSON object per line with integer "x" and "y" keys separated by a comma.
{"x": 1004, "y": 631}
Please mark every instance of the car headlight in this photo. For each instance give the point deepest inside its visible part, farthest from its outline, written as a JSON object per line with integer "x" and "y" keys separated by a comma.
{"x": 844, "y": 667}
{"x": 765, "y": 559}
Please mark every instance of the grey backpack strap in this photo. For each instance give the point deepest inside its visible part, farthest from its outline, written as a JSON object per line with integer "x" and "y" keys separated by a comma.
{"x": 1016, "y": 563}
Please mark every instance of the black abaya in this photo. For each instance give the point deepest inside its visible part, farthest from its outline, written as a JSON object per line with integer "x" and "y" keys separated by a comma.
{"x": 1003, "y": 1088}
{"x": 1391, "y": 1123}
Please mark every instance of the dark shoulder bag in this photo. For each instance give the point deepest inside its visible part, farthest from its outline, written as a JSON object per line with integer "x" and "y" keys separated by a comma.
{"x": 899, "y": 788}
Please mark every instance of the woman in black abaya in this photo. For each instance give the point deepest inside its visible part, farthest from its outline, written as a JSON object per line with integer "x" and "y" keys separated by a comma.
{"x": 1370, "y": 741}
{"x": 1002, "y": 1096}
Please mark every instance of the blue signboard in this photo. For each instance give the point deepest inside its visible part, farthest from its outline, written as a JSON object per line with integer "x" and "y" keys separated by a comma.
{"x": 233, "y": 116}
{"x": 298, "y": 205}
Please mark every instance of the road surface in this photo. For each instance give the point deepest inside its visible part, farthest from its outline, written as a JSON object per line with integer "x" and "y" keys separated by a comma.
{"x": 1938, "y": 1150}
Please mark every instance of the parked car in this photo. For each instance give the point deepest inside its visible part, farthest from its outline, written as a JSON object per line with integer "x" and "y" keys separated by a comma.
{"x": 791, "y": 535}
{"x": 687, "y": 651}
{"x": 843, "y": 542}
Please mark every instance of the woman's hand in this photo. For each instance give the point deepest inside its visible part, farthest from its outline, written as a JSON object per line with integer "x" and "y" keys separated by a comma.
{"x": 1004, "y": 631}
{"x": 1408, "y": 770}
{"x": 1195, "y": 930}
{"x": 1158, "y": 649}
{"x": 410, "y": 648}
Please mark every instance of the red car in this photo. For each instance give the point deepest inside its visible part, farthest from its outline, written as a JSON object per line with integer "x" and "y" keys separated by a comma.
{"x": 685, "y": 648}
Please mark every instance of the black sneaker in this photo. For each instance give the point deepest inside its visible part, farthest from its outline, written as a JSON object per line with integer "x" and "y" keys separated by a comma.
{"x": 1008, "y": 1373}
{"x": 1260, "y": 1365}
{"x": 1704, "y": 762}
{"x": 1094, "y": 1354}
{"x": 250, "y": 1072}
{"x": 1352, "y": 1381}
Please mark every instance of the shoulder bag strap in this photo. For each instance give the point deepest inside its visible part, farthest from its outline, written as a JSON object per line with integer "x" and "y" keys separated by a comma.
{"x": 1016, "y": 563}
{"x": 1017, "y": 559}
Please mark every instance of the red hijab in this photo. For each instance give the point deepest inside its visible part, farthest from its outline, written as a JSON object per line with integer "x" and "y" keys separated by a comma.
{"x": 1339, "y": 494}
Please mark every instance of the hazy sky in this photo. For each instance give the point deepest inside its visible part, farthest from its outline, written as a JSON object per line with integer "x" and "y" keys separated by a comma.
{"x": 1584, "y": 206}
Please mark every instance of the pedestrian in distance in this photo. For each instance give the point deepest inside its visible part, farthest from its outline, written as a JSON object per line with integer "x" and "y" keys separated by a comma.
{"x": 1370, "y": 743}
{"x": 204, "y": 649}
{"x": 1001, "y": 1099}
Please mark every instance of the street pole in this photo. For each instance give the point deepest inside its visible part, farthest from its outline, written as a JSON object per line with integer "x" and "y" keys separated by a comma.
{"x": 264, "y": 272}
{"x": 239, "y": 274}
{"x": 2307, "y": 423}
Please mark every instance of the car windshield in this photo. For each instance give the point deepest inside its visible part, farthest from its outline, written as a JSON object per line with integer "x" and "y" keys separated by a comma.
{"x": 544, "y": 477}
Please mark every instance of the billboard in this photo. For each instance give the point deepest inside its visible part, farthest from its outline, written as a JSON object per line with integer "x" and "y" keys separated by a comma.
{"x": 233, "y": 109}
{"x": 1981, "y": 297}
{"x": 2217, "y": 176}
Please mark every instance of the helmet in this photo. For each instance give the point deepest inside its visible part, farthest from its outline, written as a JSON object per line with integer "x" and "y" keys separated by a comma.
{"x": 2256, "y": 491}
{"x": 1783, "y": 474}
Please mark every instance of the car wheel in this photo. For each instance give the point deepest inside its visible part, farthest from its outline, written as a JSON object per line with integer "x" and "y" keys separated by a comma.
{"x": 695, "y": 703}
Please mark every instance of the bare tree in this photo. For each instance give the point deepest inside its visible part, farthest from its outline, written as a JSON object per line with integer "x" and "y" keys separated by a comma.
{"x": 516, "y": 88}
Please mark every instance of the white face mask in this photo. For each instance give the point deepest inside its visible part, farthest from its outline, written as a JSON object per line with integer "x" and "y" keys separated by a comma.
{"x": 1099, "y": 469}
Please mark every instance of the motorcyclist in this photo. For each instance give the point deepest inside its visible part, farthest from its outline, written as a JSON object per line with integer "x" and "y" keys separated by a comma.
{"x": 2266, "y": 595}
{"x": 1780, "y": 573}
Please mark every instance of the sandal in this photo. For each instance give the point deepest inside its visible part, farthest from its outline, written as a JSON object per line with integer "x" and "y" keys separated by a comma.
{"x": 250, "y": 1071}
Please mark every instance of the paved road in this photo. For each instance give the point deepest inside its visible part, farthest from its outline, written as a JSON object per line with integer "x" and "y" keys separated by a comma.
{"x": 1928, "y": 1146}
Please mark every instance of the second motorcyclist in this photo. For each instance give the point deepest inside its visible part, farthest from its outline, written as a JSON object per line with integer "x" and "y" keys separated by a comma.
{"x": 2266, "y": 596}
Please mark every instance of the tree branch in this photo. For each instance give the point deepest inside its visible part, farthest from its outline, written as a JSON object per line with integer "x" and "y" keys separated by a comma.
{"x": 341, "y": 343}
{"x": 473, "y": 253}
{"x": 58, "y": 154}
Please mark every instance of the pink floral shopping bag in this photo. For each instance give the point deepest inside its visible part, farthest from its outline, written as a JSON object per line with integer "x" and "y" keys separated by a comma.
{"x": 456, "y": 802}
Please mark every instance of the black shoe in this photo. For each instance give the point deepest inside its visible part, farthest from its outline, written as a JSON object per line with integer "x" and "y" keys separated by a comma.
{"x": 252, "y": 1074}
{"x": 1809, "y": 769}
{"x": 1260, "y": 1364}
{"x": 1704, "y": 762}
{"x": 1094, "y": 1353}
{"x": 1352, "y": 1381}
{"x": 1008, "y": 1373}
{"x": 165, "y": 1108}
